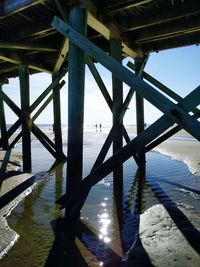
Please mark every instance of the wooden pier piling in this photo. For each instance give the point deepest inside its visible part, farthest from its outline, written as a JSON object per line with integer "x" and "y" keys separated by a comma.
{"x": 76, "y": 70}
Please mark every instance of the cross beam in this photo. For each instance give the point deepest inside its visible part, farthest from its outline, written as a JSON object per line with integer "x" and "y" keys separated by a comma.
{"x": 136, "y": 145}
{"x": 174, "y": 112}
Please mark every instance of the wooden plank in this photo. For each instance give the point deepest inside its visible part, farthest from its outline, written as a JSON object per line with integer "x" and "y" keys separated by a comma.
{"x": 28, "y": 46}
{"x": 4, "y": 138}
{"x": 109, "y": 33}
{"x": 25, "y": 102}
{"x": 136, "y": 145}
{"x": 144, "y": 89}
{"x": 76, "y": 80}
{"x": 16, "y": 59}
{"x": 168, "y": 30}
{"x": 61, "y": 56}
{"x": 119, "y": 5}
{"x": 171, "y": 14}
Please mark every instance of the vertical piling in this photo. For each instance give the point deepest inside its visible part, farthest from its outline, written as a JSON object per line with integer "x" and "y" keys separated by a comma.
{"x": 4, "y": 138}
{"x": 25, "y": 117}
{"x": 117, "y": 89}
{"x": 139, "y": 67}
{"x": 76, "y": 80}
{"x": 57, "y": 123}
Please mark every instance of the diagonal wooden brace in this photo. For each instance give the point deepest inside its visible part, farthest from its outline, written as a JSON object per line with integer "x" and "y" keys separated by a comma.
{"x": 147, "y": 136}
{"x": 109, "y": 101}
{"x": 174, "y": 112}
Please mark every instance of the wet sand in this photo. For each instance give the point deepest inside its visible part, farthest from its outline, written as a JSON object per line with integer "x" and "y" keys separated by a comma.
{"x": 12, "y": 180}
{"x": 187, "y": 151}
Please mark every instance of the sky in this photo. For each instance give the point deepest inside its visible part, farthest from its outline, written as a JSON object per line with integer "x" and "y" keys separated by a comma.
{"x": 179, "y": 69}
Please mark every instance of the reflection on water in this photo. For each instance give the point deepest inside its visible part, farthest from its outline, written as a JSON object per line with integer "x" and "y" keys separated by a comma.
{"x": 109, "y": 223}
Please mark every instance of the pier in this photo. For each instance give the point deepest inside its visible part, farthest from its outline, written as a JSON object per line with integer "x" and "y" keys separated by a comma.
{"x": 61, "y": 37}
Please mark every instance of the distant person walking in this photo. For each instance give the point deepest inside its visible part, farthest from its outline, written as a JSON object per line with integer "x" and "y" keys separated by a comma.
{"x": 100, "y": 126}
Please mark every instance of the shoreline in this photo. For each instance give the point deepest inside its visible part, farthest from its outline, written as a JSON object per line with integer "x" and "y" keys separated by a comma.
{"x": 181, "y": 150}
{"x": 187, "y": 152}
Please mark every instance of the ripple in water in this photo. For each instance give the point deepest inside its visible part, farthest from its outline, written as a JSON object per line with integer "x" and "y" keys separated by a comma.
{"x": 109, "y": 220}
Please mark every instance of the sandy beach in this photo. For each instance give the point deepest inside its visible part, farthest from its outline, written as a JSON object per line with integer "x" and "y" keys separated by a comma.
{"x": 187, "y": 151}
{"x": 13, "y": 180}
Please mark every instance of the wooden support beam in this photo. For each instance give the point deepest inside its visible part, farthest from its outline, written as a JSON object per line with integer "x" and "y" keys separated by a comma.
{"x": 28, "y": 46}
{"x": 14, "y": 142}
{"x": 99, "y": 81}
{"x": 136, "y": 145}
{"x": 13, "y": 128}
{"x": 65, "y": 43}
{"x": 4, "y": 166}
{"x": 61, "y": 56}
{"x": 13, "y": 6}
{"x": 26, "y": 122}
{"x": 76, "y": 78}
{"x": 16, "y": 59}
{"x": 11, "y": 104}
{"x": 57, "y": 123}
{"x": 119, "y": 5}
{"x": 44, "y": 142}
{"x": 117, "y": 91}
{"x": 4, "y": 137}
{"x": 139, "y": 67}
{"x": 113, "y": 131}
{"x": 47, "y": 91}
{"x": 105, "y": 93}
{"x": 171, "y": 14}
{"x": 168, "y": 30}
{"x": 160, "y": 86}
{"x": 109, "y": 33}
{"x": 174, "y": 112}
{"x": 45, "y": 104}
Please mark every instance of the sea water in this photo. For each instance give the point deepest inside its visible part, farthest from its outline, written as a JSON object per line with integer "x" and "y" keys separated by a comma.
{"x": 109, "y": 220}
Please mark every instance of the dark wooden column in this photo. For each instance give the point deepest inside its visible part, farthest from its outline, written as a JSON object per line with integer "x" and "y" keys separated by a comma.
{"x": 4, "y": 138}
{"x": 25, "y": 117}
{"x": 139, "y": 67}
{"x": 76, "y": 70}
{"x": 57, "y": 122}
{"x": 117, "y": 89}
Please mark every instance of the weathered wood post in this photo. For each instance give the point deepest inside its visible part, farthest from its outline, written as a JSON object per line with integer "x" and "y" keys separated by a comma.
{"x": 4, "y": 138}
{"x": 76, "y": 80}
{"x": 117, "y": 89}
{"x": 57, "y": 123}
{"x": 139, "y": 66}
{"x": 25, "y": 117}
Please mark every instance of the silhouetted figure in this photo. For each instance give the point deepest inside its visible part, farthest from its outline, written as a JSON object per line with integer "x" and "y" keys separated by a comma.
{"x": 96, "y": 127}
{"x": 100, "y": 126}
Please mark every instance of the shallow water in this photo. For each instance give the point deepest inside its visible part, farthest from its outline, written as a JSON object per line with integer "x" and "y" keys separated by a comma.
{"x": 99, "y": 241}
